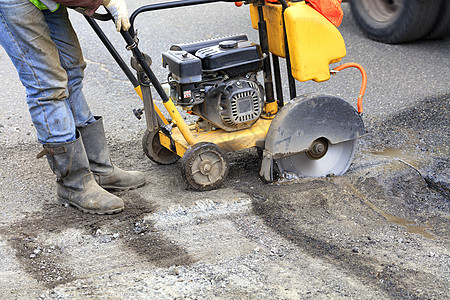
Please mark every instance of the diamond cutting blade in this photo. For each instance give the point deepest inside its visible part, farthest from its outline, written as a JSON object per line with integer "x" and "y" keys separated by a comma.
{"x": 336, "y": 160}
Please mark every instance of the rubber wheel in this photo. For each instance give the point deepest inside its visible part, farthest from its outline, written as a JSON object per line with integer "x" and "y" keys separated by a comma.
{"x": 331, "y": 160}
{"x": 204, "y": 166}
{"x": 395, "y": 21}
{"x": 155, "y": 151}
{"x": 441, "y": 27}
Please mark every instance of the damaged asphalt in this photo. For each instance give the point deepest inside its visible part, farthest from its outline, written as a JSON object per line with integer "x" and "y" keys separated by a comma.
{"x": 378, "y": 232}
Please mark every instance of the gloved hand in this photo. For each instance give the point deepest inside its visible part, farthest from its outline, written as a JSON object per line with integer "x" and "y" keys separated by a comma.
{"x": 118, "y": 9}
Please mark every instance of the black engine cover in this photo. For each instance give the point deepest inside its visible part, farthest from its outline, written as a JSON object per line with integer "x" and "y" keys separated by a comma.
{"x": 235, "y": 58}
{"x": 232, "y": 57}
{"x": 195, "y": 46}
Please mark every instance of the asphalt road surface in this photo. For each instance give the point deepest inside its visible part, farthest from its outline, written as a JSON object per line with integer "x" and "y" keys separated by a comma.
{"x": 378, "y": 232}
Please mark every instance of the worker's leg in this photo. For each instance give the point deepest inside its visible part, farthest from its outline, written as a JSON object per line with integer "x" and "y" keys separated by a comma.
{"x": 108, "y": 175}
{"x": 25, "y": 36}
{"x": 71, "y": 58}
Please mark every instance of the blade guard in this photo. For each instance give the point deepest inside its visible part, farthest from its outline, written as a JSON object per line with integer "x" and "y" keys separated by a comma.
{"x": 305, "y": 119}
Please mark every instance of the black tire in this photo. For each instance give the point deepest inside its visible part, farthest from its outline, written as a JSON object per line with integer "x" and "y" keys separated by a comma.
{"x": 441, "y": 27}
{"x": 395, "y": 21}
{"x": 155, "y": 151}
{"x": 204, "y": 166}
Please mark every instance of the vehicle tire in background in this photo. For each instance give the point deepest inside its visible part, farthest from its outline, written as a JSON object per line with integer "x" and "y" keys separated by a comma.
{"x": 441, "y": 27}
{"x": 395, "y": 21}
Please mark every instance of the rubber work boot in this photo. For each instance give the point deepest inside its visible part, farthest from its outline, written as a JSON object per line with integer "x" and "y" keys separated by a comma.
{"x": 76, "y": 183}
{"x": 107, "y": 175}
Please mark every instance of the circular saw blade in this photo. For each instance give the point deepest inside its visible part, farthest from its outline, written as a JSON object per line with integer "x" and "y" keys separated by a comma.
{"x": 336, "y": 161}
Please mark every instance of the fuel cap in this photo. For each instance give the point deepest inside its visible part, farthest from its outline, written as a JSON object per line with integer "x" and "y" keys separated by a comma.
{"x": 228, "y": 44}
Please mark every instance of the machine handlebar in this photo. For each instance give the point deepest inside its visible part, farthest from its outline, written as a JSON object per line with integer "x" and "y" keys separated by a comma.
{"x": 101, "y": 17}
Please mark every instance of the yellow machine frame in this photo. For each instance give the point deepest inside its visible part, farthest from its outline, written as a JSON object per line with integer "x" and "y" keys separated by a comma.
{"x": 290, "y": 30}
{"x": 314, "y": 43}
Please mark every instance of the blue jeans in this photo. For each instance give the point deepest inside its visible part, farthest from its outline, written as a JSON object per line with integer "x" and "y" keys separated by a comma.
{"x": 47, "y": 55}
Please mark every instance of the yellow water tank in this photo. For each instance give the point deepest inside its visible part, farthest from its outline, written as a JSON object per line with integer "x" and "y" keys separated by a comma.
{"x": 314, "y": 42}
{"x": 274, "y": 23}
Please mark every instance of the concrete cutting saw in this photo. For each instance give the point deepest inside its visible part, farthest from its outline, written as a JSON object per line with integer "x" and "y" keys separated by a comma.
{"x": 218, "y": 82}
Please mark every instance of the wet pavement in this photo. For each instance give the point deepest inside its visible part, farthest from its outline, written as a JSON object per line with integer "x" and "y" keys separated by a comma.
{"x": 379, "y": 231}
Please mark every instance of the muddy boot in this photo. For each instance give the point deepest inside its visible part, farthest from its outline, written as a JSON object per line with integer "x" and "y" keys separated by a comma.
{"x": 107, "y": 175}
{"x": 76, "y": 183}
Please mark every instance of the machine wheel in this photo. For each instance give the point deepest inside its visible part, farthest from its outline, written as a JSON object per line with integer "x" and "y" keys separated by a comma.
{"x": 204, "y": 166}
{"x": 395, "y": 21}
{"x": 322, "y": 159}
{"x": 441, "y": 27}
{"x": 155, "y": 151}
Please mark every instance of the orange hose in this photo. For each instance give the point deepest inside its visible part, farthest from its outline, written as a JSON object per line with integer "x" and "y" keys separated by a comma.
{"x": 363, "y": 85}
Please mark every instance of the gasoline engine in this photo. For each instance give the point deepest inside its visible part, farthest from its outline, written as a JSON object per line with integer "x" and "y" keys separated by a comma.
{"x": 217, "y": 80}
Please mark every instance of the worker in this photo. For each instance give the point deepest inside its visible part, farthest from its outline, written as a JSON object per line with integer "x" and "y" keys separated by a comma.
{"x": 40, "y": 40}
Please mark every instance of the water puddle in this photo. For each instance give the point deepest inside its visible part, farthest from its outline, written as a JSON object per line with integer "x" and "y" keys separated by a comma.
{"x": 406, "y": 157}
{"x": 411, "y": 226}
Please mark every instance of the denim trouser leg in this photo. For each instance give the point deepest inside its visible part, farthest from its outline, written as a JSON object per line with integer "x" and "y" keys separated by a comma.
{"x": 26, "y": 35}
{"x": 72, "y": 61}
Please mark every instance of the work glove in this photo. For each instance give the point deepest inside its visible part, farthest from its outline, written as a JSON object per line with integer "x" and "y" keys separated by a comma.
{"x": 118, "y": 9}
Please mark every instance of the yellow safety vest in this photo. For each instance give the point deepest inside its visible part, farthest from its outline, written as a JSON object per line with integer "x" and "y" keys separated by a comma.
{"x": 46, "y": 4}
